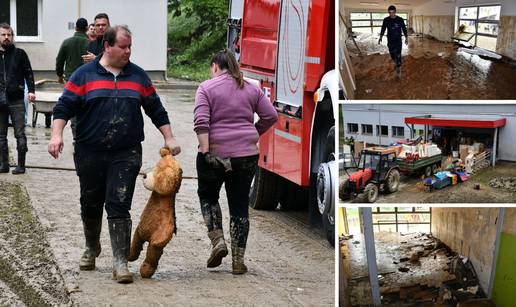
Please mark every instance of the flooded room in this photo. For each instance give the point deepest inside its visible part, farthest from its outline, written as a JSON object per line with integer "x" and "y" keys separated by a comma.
{"x": 428, "y": 49}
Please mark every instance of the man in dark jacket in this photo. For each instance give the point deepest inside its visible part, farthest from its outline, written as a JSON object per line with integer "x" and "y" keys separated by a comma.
{"x": 70, "y": 55}
{"x": 106, "y": 96}
{"x": 15, "y": 71}
{"x": 95, "y": 47}
{"x": 395, "y": 26}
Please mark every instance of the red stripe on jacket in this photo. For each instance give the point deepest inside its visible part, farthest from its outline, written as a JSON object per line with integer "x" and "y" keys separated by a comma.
{"x": 81, "y": 90}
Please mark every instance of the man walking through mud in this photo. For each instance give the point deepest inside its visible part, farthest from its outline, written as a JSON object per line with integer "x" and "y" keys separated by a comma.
{"x": 395, "y": 25}
{"x": 106, "y": 96}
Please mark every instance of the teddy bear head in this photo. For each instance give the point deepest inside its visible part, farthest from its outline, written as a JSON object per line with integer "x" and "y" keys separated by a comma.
{"x": 165, "y": 178}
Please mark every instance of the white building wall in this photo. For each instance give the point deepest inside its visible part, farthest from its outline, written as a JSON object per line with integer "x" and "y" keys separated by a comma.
{"x": 394, "y": 115}
{"x": 146, "y": 19}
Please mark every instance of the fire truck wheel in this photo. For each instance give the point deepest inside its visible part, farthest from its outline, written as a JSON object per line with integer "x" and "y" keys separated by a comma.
{"x": 325, "y": 197}
{"x": 371, "y": 192}
{"x": 393, "y": 181}
{"x": 262, "y": 195}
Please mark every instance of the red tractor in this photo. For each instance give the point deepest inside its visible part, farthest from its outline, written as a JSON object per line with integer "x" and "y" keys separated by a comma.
{"x": 377, "y": 171}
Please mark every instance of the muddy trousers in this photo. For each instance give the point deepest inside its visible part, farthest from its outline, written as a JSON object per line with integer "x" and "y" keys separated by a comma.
{"x": 237, "y": 183}
{"x": 395, "y": 47}
{"x": 107, "y": 177}
{"x": 15, "y": 109}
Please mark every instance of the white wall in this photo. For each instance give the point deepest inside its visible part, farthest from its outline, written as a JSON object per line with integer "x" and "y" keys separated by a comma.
{"x": 147, "y": 20}
{"x": 394, "y": 115}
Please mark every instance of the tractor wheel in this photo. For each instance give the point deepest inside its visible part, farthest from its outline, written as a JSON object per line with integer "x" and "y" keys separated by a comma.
{"x": 435, "y": 168}
{"x": 263, "y": 195}
{"x": 392, "y": 181}
{"x": 371, "y": 192}
{"x": 428, "y": 171}
{"x": 343, "y": 194}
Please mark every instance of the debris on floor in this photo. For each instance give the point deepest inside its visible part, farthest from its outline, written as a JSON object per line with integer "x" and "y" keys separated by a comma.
{"x": 508, "y": 183}
{"x": 414, "y": 269}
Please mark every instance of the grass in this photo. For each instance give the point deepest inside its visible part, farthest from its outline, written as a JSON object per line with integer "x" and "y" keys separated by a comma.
{"x": 502, "y": 169}
{"x": 197, "y": 71}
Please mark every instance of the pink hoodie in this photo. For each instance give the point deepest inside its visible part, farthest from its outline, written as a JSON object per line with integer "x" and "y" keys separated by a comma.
{"x": 227, "y": 114}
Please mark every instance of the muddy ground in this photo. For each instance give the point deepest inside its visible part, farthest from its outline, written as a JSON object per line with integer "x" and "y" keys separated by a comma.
{"x": 289, "y": 263}
{"x": 430, "y": 70}
{"x": 409, "y": 191}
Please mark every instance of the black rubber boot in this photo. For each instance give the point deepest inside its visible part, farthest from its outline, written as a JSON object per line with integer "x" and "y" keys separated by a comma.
{"x": 120, "y": 233}
{"x": 219, "y": 249}
{"x": 4, "y": 160}
{"x": 92, "y": 228}
{"x": 239, "y": 227}
{"x": 20, "y": 168}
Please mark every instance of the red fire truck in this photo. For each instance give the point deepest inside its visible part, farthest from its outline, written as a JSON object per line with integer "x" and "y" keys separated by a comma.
{"x": 287, "y": 47}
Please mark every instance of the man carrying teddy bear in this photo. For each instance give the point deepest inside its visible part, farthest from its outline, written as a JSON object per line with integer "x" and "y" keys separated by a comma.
{"x": 106, "y": 96}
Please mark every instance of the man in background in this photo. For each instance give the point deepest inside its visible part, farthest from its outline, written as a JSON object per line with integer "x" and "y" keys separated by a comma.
{"x": 395, "y": 26}
{"x": 95, "y": 47}
{"x": 15, "y": 72}
{"x": 69, "y": 58}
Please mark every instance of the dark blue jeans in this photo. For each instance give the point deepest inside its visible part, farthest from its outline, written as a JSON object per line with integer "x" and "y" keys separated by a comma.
{"x": 107, "y": 177}
{"x": 15, "y": 109}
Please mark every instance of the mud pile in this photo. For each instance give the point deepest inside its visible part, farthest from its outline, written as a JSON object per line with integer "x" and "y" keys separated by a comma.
{"x": 508, "y": 183}
{"x": 29, "y": 275}
{"x": 430, "y": 70}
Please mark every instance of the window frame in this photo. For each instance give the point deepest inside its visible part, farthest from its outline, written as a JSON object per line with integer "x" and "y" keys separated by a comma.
{"x": 379, "y": 130}
{"x": 349, "y": 125}
{"x": 367, "y": 126}
{"x": 477, "y": 21}
{"x": 379, "y": 211}
{"x": 371, "y": 20}
{"x": 14, "y": 20}
{"x": 395, "y": 129}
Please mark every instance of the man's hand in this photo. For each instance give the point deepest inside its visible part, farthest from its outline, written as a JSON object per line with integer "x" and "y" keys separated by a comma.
{"x": 60, "y": 79}
{"x": 171, "y": 143}
{"x": 31, "y": 97}
{"x": 380, "y": 41}
{"x": 406, "y": 41}
{"x": 55, "y": 146}
{"x": 88, "y": 57}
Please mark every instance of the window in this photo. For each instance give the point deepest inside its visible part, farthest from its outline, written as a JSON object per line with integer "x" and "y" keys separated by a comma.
{"x": 483, "y": 22}
{"x": 24, "y": 16}
{"x": 382, "y": 130}
{"x": 371, "y": 23}
{"x": 398, "y": 131}
{"x": 367, "y": 129}
{"x": 402, "y": 219}
{"x": 352, "y": 128}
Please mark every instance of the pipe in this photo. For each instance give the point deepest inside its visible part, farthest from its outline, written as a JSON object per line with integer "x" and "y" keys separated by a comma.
{"x": 78, "y": 9}
{"x": 70, "y": 169}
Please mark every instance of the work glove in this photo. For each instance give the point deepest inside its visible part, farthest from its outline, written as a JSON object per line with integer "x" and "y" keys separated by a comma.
{"x": 218, "y": 162}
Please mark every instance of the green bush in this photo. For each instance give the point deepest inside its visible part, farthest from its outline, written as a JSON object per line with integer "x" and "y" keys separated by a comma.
{"x": 196, "y": 30}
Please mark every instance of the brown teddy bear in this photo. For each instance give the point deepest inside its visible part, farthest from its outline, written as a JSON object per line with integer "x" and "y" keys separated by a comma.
{"x": 157, "y": 223}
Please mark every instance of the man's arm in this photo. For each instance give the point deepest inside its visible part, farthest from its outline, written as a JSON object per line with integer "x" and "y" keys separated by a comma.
{"x": 29, "y": 77}
{"x": 170, "y": 140}
{"x": 60, "y": 61}
{"x": 382, "y": 32}
{"x": 55, "y": 146}
{"x": 404, "y": 28}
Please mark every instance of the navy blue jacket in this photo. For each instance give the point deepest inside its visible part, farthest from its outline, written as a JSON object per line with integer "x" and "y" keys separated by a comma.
{"x": 395, "y": 27}
{"x": 108, "y": 108}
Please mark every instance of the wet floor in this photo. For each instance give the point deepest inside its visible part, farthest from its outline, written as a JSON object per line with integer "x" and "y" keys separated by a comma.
{"x": 430, "y": 70}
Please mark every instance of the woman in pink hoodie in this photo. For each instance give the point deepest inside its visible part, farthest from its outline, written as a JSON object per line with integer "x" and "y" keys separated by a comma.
{"x": 224, "y": 113}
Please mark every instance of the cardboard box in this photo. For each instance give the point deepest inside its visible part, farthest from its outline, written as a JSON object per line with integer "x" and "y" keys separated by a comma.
{"x": 463, "y": 152}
